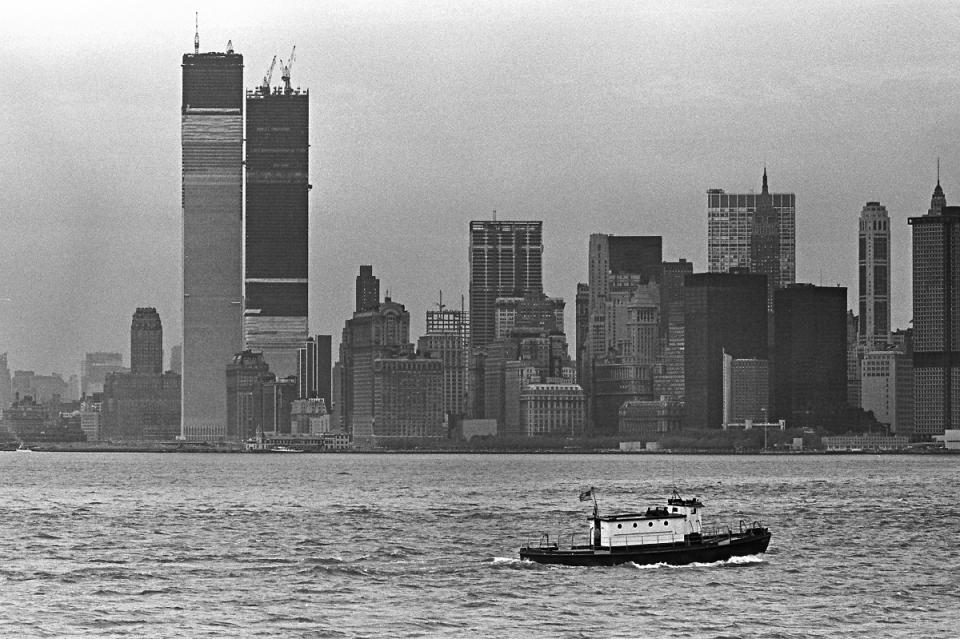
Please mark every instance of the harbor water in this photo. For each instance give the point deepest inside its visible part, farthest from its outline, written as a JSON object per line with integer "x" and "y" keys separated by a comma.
{"x": 420, "y": 545}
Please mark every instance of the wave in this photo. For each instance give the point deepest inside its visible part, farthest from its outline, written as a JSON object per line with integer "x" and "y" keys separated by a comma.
{"x": 745, "y": 560}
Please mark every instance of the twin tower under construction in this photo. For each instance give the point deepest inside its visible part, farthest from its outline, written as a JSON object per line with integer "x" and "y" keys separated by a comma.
{"x": 245, "y": 250}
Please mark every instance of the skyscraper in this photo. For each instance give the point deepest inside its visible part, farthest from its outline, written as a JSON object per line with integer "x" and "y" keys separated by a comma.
{"x": 446, "y": 340}
{"x": 874, "y": 288}
{"x": 212, "y": 139}
{"x": 753, "y": 231}
{"x": 368, "y": 289}
{"x": 506, "y": 260}
{"x": 936, "y": 311}
{"x": 810, "y": 372}
{"x": 722, "y": 312}
{"x": 146, "y": 342}
{"x": 624, "y": 275}
{"x": 277, "y": 228}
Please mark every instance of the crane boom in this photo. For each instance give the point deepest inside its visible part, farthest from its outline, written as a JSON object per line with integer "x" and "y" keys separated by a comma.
{"x": 285, "y": 73}
{"x": 266, "y": 79}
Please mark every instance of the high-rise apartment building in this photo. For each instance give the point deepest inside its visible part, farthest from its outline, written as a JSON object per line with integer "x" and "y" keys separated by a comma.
{"x": 146, "y": 342}
{"x": 506, "y": 260}
{"x": 212, "y": 143}
{"x": 755, "y": 231}
{"x": 874, "y": 281}
{"x": 936, "y": 317}
{"x": 723, "y": 312}
{"x": 277, "y": 225}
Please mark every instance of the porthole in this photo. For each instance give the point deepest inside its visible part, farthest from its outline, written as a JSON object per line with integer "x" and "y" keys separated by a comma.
{"x": 650, "y": 524}
{"x": 634, "y": 524}
{"x": 666, "y": 523}
{"x": 619, "y": 525}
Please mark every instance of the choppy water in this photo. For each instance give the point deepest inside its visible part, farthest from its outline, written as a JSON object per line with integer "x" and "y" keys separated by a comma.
{"x": 132, "y": 545}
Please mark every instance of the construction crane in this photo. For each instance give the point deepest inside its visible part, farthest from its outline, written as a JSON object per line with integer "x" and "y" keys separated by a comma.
{"x": 265, "y": 87}
{"x": 285, "y": 73}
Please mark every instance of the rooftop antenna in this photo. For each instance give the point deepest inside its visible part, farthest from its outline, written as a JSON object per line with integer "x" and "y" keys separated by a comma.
{"x": 196, "y": 33}
{"x": 440, "y": 306}
{"x": 938, "y": 169}
{"x": 494, "y": 215}
{"x": 229, "y": 46}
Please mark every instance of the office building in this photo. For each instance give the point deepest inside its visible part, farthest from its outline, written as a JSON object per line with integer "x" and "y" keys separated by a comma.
{"x": 723, "y": 312}
{"x": 810, "y": 373}
{"x": 212, "y": 142}
{"x": 447, "y": 339}
{"x": 746, "y": 390}
{"x": 6, "y": 388}
{"x": 648, "y": 419}
{"x": 313, "y": 369}
{"x": 378, "y": 333}
{"x": 755, "y": 231}
{"x": 936, "y": 318}
{"x": 624, "y": 275}
{"x": 176, "y": 359}
{"x": 874, "y": 280}
{"x": 277, "y": 225}
{"x": 146, "y": 342}
{"x": 506, "y": 260}
{"x": 144, "y": 403}
{"x": 367, "y": 289}
{"x": 408, "y": 398}
{"x": 247, "y": 374}
{"x": 887, "y": 389}
{"x": 94, "y": 369}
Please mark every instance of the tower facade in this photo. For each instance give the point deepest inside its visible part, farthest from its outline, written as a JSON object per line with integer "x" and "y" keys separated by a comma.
{"x": 277, "y": 226}
{"x": 506, "y": 260}
{"x": 737, "y": 237}
{"x": 368, "y": 289}
{"x": 936, "y": 317}
{"x": 810, "y": 372}
{"x": 723, "y": 312}
{"x": 446, "y": 340}
{"x": 874, "y": 281}
{"x": 146, "y": 342}
{"x": 212, "y": 182}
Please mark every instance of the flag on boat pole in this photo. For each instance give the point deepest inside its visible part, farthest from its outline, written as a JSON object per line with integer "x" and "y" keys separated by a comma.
{"x": 586, "y": 495}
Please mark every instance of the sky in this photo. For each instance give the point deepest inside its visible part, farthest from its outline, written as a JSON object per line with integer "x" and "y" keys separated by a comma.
{"x": 595, "y": 117}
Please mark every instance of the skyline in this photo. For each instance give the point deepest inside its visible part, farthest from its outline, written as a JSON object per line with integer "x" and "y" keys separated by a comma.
{"x": 613, "y": 119}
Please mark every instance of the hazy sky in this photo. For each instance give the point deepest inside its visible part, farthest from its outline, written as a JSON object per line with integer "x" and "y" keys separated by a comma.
{"x": 595, "y": 117}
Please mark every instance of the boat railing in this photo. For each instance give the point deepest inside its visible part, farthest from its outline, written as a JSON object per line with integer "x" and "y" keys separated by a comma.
{"x": 558, "y": 541}
{"x": 642, "y": 539}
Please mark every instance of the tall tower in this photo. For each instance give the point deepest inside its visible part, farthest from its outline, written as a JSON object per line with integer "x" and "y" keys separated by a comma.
{"x": 277, "y": 225}
{"x": 212, "y": 139}
{"x": 446, "y": 340}
{"x": 146, "y": 342}
{"x": 506, "y": 260}
{"x": 765, "y": 241}
{"x": 723, "y": 312}
{"x": 936, "y": 309}
{"x": 874, "y": 291}
{"x": 737, "y": 237}
{"x": 368, "y": 289}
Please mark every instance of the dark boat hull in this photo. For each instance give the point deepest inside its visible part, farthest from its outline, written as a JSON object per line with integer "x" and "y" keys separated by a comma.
{"x": 709, "y": 550}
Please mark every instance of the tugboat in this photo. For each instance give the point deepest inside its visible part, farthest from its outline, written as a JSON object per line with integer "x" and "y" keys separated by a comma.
{"x": 671, "y": 534}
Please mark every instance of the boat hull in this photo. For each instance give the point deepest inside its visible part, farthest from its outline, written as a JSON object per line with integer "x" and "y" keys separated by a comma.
{"x": 709, "y": 550}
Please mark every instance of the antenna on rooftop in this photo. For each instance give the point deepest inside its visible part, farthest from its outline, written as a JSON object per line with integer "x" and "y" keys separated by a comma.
{"x": 440, "y": 306}
{"x": 196, "y": 33}
{"x": 494, "y": 215}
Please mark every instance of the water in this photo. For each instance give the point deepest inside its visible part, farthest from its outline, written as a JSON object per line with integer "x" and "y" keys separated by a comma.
{"x": 134, "y": 545}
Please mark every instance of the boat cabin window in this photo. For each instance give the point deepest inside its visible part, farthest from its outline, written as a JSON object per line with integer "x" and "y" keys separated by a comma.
{"x": 675, "y": 509}
{"x": 694, "y": 511}
{"x": 619, "y": 525}
{"x": 634, "y": 524}
{"x": 651, "y": 523}
{"x": 666, "y": 523}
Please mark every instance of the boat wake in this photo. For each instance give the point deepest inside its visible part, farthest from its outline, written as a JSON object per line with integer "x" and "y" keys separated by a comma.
{"x": 745, "y": 560}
